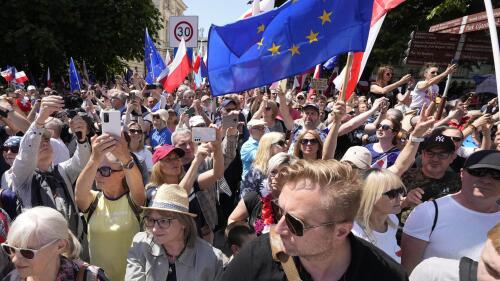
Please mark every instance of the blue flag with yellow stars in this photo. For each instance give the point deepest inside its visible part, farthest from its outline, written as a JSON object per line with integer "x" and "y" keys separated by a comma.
{"x": 283, "y": 42}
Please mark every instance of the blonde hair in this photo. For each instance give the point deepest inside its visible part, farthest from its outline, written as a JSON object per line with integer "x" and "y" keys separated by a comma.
{"x": 141, "y": 142}
{"x": 377, "y": 182}
{"x": 263, "y": 153}
{"x": 40, "y": 226}
{"x": 494, "y": 236}
{"x": 190, "y": 230}
{"x": 157, "y": 176}
{"x": 297, "y": 149}
{"x": 339, "y": 183}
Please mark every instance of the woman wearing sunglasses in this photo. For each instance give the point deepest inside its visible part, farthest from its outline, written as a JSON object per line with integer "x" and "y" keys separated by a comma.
{"x": 170, "y": 249}
{"x": 385, "y": 149}
{"x": 376, "y": 220}
{"x": 136, "y": 144}
{"x": 268, "y": 111}
{"x": 269, "y": 145}
{"x": 427, "y": 90}
{"x": 308, "y": 146}
{"x": 10, "y": 149}
{"x": 41, "y": 247}
{"x": 112, "y": 213}
{"x": 254, "y": 206}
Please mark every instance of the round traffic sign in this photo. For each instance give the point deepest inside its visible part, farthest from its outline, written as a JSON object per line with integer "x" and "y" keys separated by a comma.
{"x": 183, "y": 29}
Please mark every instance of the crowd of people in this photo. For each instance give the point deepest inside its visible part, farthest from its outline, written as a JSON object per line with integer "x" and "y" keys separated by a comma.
{"x": 267, "y": 184}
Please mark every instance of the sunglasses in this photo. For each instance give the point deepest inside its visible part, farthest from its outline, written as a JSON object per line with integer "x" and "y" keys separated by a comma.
{"x": 280, "y": 143}
{"x": 156, "y": 117}
{"x": 309, "y": 141}
{"x": 484, "y": 172}
{"x": 388, "y": 74}
{"x": 295, "y": 225}
{"x": 440, "y": 155}
{"x": 456, "y": 139}
{"x": 134, "y": 131}
{"x": 393, "y": 193}
{"x": 12, "y": 149}
{"x": 25, "y": 252}
{"x": 163, "y": 223}
{"x": 107, "y": 171}
{"x": 434, "y": 72}
{"x": 300, "y": 97}
{"x": 384, "y": 127}
{"x": 351, "y": 112}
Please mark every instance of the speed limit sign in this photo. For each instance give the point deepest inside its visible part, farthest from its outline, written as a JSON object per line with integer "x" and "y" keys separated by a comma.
{"x": 183, "y": 27}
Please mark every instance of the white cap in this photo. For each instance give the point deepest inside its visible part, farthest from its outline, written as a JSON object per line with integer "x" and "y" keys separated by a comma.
{"x": 359, "y": 156}
{"x": 196, "y": 120}
{"x": 31, "y": 88}
{"x": 256, "y": 122}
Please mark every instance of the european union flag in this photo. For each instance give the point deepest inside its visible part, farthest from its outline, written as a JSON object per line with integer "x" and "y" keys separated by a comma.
{"x": 74, "y": 78}
{"x": 285, "y": 41}
{"x": 152, "y": 59}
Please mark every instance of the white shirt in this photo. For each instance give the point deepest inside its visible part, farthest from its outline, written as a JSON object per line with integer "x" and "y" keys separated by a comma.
{"x": 420, "y": 97}
{"x": 459, "y": 232}
{"x": 436, "y": 269}
{"x": 61, "y": 152}
{"x": 147, "y": 157}
{"x": 385, "y": 241}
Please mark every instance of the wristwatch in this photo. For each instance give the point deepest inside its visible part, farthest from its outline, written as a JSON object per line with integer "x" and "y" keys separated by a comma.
{"x": 130, "y": 164}
{"x": 416, "y": 139}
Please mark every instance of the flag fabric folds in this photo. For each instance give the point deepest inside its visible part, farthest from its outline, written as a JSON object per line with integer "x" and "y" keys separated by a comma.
{"x": 152, "y": 59}
{"x": 178, "y": 69}
{"x": 74, "y": 78}
{"x": 49, "y": 79}
{"x": 21, "y": 77}
{"x": 283, "y": 42}
{"x": 8, "y": 74}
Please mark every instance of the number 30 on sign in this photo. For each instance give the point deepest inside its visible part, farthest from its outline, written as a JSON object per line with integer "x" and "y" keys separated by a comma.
{"x": 183, "y": 27}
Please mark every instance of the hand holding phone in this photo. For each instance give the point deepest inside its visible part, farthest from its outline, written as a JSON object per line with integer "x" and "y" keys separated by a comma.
{"x": 201, "y": 134}
{"x": 111, "y": 122}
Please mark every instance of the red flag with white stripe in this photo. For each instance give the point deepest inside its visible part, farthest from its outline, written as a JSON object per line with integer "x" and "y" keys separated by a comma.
{"x": 21, "y": 77}
{"x": 380, "y": 163}
{"x": 264, "y": 6}
{"x": 380, "y": 9}
{"x": 178, "y": 69}
{"x": 49, "y": 79}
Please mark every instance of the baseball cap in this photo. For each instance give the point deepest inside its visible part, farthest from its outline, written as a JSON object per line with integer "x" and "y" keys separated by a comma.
{"x": 438, "y": 140}
{"x": 31, "y": 88}
{"x": 489, "y": 159}
{"x": 204, "y": 98}
{"x": 227, "y": 102}
{"x": 256, "y": 122}
{"x": 12, "y": 141}
{"x": 311, "y": 105}
{"x": 165, "y": 150}
{"x": 359, "y": 156}
{"x": 196, "y": 121}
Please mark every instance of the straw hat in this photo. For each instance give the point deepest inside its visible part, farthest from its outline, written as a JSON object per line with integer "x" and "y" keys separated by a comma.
{"x": 172, "y": 198}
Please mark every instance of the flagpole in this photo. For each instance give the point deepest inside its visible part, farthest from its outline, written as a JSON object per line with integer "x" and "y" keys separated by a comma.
{"x": 152, "y": 67}
{"x": 350, "y": 57}
{"x": 494, "y": 42}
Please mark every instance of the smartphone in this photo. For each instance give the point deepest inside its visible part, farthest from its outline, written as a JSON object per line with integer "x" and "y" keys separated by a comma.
{"x": 191, "y": 111}
{"x": 131, "y": 96}
{"x": 203, "y": 134}
{"x": 230, "y": 121}
{"x": 111, "y": 122}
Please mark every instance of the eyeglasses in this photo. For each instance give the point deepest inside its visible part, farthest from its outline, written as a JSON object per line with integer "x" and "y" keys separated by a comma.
{"x": 388, "y": 74}
{"x": 12, "y": 149}
{"x": 134, "y": 131}
{"x": 484, "y": 172}
{"x": 274, "y": 173}
{"x": 309, "y": 141}
{"x": 106, "y": 171}
{"x": 456, "y": 139}
{"x": 440, "y": 155}
{"x": 156, "y": 116}
{"x": 434, "y": 72}
{"x": 163, "y": 223}
{"x": 295, "y": 225}
{"x": 280, "y": 143}
{"x": 260, "y": 128}
{"x": 384, "y": 127}
{"x": 25, "y": 252}
{"x": 300, "y": 97}
{"x": 393, "y": 193}
{"x": 351, "y": 112}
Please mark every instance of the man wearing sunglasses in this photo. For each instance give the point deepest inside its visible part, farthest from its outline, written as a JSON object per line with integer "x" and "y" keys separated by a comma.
{"x": 457, "y": 225}
{"x": 314, "y": 215}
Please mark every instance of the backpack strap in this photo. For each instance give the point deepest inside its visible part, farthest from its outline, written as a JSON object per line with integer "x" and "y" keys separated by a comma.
{"x": 286, "y": 261}
{"x": 93, "y": 206}
{"x": 467, "y": 270}
{"x": 136, "y": 209}
{"x": 436, "y": 214}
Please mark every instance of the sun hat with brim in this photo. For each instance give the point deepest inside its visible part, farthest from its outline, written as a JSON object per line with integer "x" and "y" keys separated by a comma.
{"x": 163, "y": 113}
{"x": 483, "y": 159}
{"x": 171, "y": 198}
{"x": 165, "y": 150}
{"x": 359, "y": 156}
{"x": 256, "y": 122}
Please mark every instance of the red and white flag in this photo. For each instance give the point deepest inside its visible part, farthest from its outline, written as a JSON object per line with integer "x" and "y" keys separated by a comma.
{"x": 167, "y": 58}
{"x": 380, "y": 9}
{"x": 380, "y": 163}
{"x": 21, "y": 77}
{"x": 316, "y": 75}
{"x": 264, "y": 6}
{"x": 197, "y": 61}
{"x": 49, "y": 79}
{"x": 178, "y": 69}
{"x": 8, "y": 74}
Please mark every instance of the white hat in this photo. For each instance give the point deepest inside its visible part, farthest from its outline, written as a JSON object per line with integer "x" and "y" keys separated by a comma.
{"x": 359, "y": 156}
{"x": 163, "y": 114}
{"x": 31, "y": 88}
{"x": 256, "y": 122}
{"x": 196, "y": 120}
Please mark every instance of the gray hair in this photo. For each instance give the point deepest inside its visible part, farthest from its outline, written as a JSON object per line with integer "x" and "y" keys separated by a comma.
{"x": 39, "y": 226}
{"x": 179, "y": 132}
{"x": 279, "y": 159}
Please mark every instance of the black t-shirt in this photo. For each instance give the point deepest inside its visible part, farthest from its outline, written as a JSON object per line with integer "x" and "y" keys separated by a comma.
{"x": 255, "y": 262}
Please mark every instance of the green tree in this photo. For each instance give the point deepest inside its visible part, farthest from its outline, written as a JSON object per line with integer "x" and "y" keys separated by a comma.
{"x": 36, "y": 34}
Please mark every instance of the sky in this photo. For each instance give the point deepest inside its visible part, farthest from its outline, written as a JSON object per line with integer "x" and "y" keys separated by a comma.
{"x": 218, "y": 12}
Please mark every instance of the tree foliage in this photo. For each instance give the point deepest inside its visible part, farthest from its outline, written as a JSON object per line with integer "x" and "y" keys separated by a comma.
{"x": 36, "y": 34}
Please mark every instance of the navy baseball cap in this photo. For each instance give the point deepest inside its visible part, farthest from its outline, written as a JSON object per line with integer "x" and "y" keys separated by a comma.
{"x": 440, "y": 141}
{"x": 489, "y": 159}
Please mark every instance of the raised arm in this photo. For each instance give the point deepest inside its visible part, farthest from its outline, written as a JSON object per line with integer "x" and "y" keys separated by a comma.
{"x": 361, "y": 118}
{"x": 285, "y": 111}
{"x": 426, "y": 84}
{"x": 209, "y": 178}
{"x": 330, "y": 144}
{"x": 376, "y": 89}
{"x": 15, "y": 121}
{"x": 100, "y": 146}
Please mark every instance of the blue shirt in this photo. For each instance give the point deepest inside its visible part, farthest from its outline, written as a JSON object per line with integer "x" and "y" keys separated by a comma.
{"x": 161, "y": 137}
{"x": 247, "y": 152}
